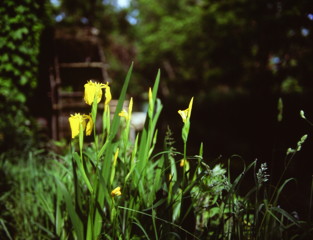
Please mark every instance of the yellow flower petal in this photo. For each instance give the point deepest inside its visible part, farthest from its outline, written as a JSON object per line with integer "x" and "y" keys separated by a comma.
{"x": 151, "y": 105}
{"x": 190, "y": 107}
{"x": 108, "y": 96}
{"x": 89, "y": 126}
{"x": 185, "y": 114}
{"x": 182, "y": 162}
{"x": 124, "y": 114}
{"x": 115, "y": 156}
{"x": 74, "y": 125}
{"x": 76, "y": 121}
{"x": 150, "y": 95}
{"x": 170, "y": 177}
{"x": 93, "y": 90}
{"x": 116, "y": 192}
{"x": 130, "y": 108}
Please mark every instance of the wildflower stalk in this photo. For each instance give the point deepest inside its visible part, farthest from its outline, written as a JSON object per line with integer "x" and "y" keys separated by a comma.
{"x": 275, "y": 195}
{"x": 79, "y": 160}
{"x": 311, "y": 200}
{"x": 147, "y": 142}
{"x": 106, "y": 117}
{"x": 185, "y": 115}
{"x": 106, "y": 122}
{"x": 126, "y": 115}
{"x": 94, "y": 109}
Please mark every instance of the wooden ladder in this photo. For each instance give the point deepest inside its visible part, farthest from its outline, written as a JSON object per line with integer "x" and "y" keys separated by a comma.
{"x": 78, "y": 57}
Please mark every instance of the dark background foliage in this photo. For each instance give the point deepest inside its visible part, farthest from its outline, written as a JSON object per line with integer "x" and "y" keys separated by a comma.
{"x": 237, "y": 58}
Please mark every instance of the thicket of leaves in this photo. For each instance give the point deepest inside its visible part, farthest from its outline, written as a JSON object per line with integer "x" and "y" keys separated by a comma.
{"x": 237, "y": 57}
{"x": 259, "y": 46}
{"x": 19, "y": 46}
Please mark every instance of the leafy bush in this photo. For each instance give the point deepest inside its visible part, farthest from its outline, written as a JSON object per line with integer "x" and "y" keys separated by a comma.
{"x": 19, "y": 46}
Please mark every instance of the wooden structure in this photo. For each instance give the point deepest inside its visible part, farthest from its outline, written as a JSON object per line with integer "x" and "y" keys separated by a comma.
{"x": 78, "y": 57}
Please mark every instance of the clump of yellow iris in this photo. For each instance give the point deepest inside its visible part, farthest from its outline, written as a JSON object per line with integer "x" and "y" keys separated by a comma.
{"x": 185, "y": 114}
{"x": 116, "y": 192}
{"x": 93, "y": 90}
{"x": 78, "y": 121}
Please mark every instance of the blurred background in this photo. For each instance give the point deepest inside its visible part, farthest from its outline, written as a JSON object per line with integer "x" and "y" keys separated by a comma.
{"x": 248, "y": 64}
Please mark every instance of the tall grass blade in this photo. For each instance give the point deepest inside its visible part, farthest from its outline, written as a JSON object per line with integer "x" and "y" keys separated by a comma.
{"x": 277, "y": 193}
{"x": 286, "y": 215}
{"x": 162, "y": 220}
{"x": 5, "y": 229}
{"x": 311, "y": 201}
{"x": 76, "y": 221}
{"x": 137, "y": 222}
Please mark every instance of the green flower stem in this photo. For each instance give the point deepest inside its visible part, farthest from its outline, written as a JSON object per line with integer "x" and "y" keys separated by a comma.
{"x": 185, "y": 133}
{"x": 106, "y": 122}
{"x": 94, "y": 119}
{"x": 185, "y": 164}
{"x": 185, "y": 150}
{"x": 82, "y": 170}
{"x": 81, "y": 140}
{"x": 89, "y": 234}
{"x": 113, "y": 217}
{"x": 79, "y": 160}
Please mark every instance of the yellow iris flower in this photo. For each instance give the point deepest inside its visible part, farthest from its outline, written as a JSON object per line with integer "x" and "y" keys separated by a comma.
{"x": 185, "y": 114}
{"x": 151, "y": 104}
{"x": 182, "y": 162}
{"x": 124, "y": 113}
{"x": 108, "y": 96}
{"x": 93, "y": 90}
{"x": 89, "y": 126}
{"x": 77, "y": 121}
{"x": 116, "y": 192}
{"x": 150, "y": 96}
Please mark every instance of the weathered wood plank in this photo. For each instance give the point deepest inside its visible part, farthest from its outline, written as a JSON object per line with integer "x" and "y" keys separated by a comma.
{"x": 83, "y": 65}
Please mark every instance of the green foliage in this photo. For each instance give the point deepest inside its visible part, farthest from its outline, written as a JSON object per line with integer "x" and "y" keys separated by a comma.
{"x": 15, "y": 129}
{"x": 252, "y": 46}
{"x": 291, "y": 85}
{"x": 70, "y": 196}
{"x": 19, "y": 46}
{"x": 29, "y": 197}
{"x": 160, "y": 196}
